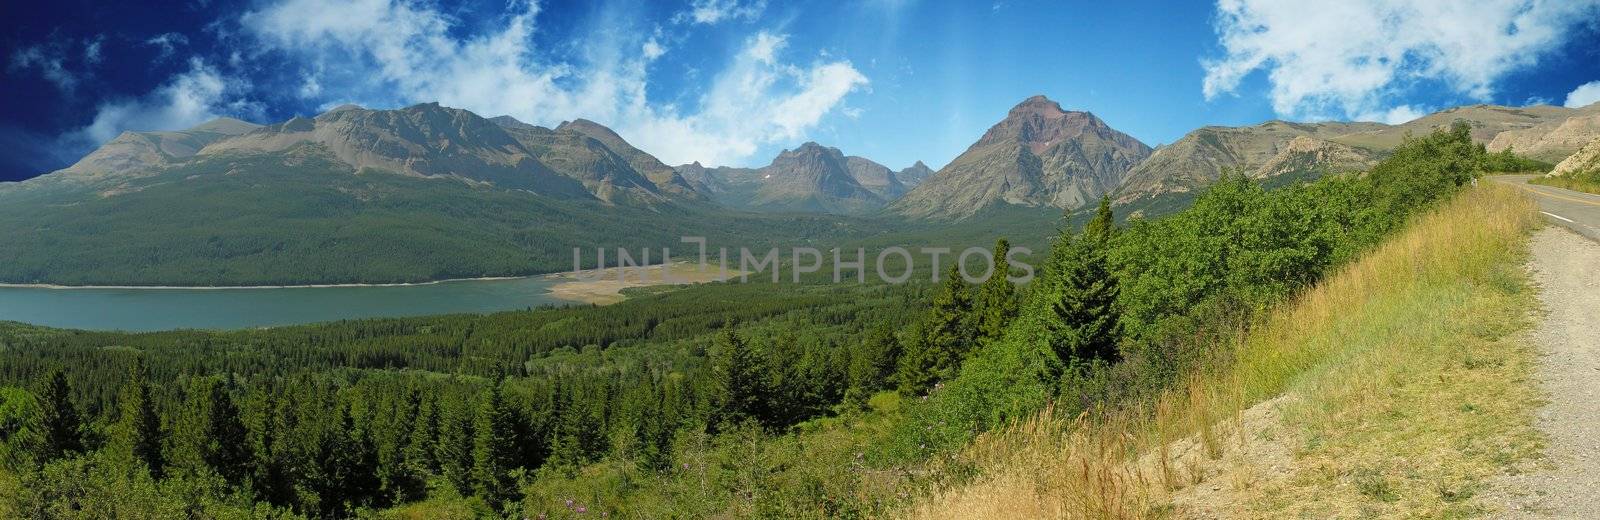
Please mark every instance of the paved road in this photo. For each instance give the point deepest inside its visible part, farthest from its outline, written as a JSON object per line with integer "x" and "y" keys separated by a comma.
{"x": 1576, "y": 210}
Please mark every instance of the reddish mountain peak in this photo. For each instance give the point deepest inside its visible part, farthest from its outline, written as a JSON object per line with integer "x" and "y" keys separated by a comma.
{"x": 1039, "y": 106}
{"x": 1040, "y": 123}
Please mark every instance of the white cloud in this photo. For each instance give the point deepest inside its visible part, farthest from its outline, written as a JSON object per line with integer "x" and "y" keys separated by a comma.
{"x": 167, "y": 43}
{"x": 395, "y": 52}
{"x": 765, "y": 46}
{"x": 50, "y": 61}
{"x": 1394, "y": 116}
{"x": 1585, "y": 95}
{"x": 1353, "y": 58}
{"x": 91, "y": 50}
{"x": 713, "y": 11}
{"x": 310, "y": 87}
{"x": 652, "y": 49}
{"x": 188, "y": 99}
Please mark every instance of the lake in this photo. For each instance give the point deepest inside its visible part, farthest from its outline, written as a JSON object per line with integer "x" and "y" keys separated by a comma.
{"x": 238, "y": 308}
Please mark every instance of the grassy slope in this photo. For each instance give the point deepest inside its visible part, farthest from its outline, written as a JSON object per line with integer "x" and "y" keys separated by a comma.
{"x": 1395, "y": 387}
{"x": 1585, "y": 183}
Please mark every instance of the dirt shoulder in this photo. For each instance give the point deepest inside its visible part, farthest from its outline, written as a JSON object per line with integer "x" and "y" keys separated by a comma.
{"x": 1567, "y": 269}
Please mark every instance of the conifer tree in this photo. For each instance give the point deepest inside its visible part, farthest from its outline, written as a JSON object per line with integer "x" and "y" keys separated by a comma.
{"x": 137, "y": 436}
{"x": 454, "y": 449}
{"x": 945, "y": 337}
{"x": 494, "y": 449}
{"x": 223, "y": 443}
{"x": 22, "y": 443}
{"x": 996, "y": 303}
{"x": 62, "y": 426}
{"x": 424, "y": 435}
{"x": 873, "y": 364}
{"x": 740, "y": 381}
{"x": 1086, "y": 321}
{"x": 350, "y": 466}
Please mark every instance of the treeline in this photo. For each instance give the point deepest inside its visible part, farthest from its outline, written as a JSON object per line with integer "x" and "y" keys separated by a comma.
{"x": 726, "y": 399}
{"x": 331, "y": 420}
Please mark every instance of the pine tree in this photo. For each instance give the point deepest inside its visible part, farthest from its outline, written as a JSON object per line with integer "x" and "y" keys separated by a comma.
{"x": 944, "y": 339}
{"x": 494, "y": 448}
{"x": 655, "y": 427}
{"x": 454, "y": 449}
{"x": 740, "y": 381}
{"x": 996, "y": 303}
{"x": 59, "y": 418}
{"x": 424, "y": 434}
{"x": 350, "y": 465}
{"x": 1086, "y": 325}
{"x": 268, "y": 419}
{"x": 211, "y": 434}
{"x": 873, "y": 364}
{"x": 402, "y": 480}
{"x": 136, "y": 438}
{"x": 22, "y": 442}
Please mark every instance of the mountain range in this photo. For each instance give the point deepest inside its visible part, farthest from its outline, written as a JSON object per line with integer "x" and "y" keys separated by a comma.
{"x": 427, "y": 191}
{"x": 810, "y": 178}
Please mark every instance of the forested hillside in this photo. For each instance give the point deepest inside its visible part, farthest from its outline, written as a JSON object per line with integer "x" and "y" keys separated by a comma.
{"x": 725, "y": 399}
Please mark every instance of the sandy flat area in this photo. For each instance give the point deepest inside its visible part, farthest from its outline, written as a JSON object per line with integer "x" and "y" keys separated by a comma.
{"x": 604, "y": 286}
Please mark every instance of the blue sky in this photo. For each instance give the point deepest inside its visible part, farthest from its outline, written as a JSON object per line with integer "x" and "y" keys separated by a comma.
{"x": 734, "y": 81}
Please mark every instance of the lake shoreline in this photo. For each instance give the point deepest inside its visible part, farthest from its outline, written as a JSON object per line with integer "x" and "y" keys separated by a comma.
{"x": 589, "y": 286}
{"x": 59, "y": 287}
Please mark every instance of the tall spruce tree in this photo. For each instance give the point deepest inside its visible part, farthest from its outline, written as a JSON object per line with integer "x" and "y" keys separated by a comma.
{"x": 137, "y": 436}
{"x": 945, "y": 337}
{"x": 350, "y": 466}
{"x": 740, "y": 381}
{"x": 454, "y": 449}
{"x": 1086, "y": 325}
{"x": 59, "y": 419}
{"x": 211, "y": 434}
{"x": 873, "y": 363}
{"x": 424, "y": 435}
{"x": 996, "y": 302}
{"x": 494, "y": 448}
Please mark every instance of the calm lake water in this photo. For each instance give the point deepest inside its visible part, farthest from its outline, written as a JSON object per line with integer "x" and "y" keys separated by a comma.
{"x": 162, "y": 309}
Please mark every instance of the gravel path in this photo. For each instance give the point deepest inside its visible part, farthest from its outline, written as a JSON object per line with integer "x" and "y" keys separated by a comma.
{"x": 1567, "y": 269}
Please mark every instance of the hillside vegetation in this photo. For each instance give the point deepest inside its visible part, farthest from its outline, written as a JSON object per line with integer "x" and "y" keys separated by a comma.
{"x": 741, "y": 400}
{"x": 1392, "y": 388}
{"x": 1580, "y": 172}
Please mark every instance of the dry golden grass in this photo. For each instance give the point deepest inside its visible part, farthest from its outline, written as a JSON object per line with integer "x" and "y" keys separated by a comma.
{"x": 1390, "y": 390}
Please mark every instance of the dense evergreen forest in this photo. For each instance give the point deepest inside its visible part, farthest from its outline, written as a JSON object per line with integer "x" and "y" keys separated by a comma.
{"x": 793, "y": 400}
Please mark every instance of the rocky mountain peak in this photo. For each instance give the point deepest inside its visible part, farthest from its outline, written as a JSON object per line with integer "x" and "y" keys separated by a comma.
{"x": 1040, "y": 123}
{"x": 1037, "y": 105}
{"x": 1039, "y": 155}
{"x": 590, "y": 128}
